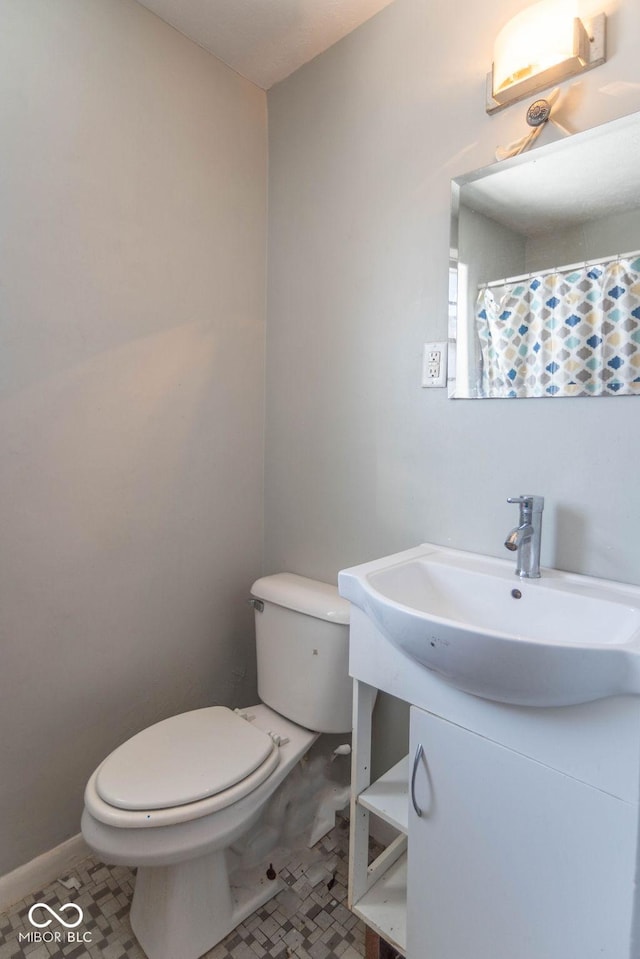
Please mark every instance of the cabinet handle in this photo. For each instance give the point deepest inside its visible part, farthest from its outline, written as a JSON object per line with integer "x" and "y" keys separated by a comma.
{"x": 416, "y": 761}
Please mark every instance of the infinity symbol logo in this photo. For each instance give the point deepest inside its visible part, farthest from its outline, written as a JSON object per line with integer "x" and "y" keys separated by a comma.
{"x": 47, "y": 922}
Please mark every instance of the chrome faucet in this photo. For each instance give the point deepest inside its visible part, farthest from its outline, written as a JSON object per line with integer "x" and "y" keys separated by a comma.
{"x": 525, "y": 537}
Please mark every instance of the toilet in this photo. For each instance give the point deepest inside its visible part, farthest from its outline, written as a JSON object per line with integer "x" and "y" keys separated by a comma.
{"x": 173, "y": 799}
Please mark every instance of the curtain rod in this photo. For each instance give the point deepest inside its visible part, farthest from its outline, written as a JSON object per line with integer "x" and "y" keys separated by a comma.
{"x": 559, "y": 269}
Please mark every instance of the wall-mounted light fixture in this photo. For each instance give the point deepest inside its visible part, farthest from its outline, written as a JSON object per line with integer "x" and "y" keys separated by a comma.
{"x": 540, "y": 47}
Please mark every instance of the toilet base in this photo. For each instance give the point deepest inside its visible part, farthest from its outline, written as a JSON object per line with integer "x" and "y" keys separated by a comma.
{"x": 185, "y": 909}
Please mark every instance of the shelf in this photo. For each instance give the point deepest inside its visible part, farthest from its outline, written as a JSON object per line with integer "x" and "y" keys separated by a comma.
{"x": 384, "y": 907}
{"x": 388, "y": 797}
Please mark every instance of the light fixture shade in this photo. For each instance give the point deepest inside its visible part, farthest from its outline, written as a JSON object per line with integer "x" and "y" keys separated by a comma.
{"x": 534, "y": 40}
{"x": 540, "y": 47}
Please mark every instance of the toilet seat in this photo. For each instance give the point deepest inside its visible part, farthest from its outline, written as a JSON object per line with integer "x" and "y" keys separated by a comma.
{"x": 180, "y": 769}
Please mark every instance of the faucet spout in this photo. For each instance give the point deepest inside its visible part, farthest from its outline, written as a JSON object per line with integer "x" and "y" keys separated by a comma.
{"x": 525, "y": 538}
{"x": 517, "y": 536}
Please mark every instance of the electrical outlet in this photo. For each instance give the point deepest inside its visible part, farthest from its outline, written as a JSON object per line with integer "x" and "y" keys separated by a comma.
{"x": 434, "y": 364}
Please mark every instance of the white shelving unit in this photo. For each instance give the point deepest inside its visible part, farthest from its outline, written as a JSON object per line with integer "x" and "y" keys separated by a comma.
{"x": 388, "y": 797}
{"x": 384, "y": 906}
{"x": 377, "y": 890}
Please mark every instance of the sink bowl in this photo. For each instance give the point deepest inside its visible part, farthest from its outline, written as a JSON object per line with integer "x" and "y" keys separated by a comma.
{"x": 555, "y": 641}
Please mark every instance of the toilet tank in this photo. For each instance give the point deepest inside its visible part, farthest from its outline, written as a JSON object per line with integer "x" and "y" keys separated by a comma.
{"x": 302, "y": 646}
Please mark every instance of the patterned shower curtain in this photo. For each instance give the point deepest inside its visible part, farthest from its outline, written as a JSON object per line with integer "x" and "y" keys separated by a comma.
{"x": 573, "y": 333}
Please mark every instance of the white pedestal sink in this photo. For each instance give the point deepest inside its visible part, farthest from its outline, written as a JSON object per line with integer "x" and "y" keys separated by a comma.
{"x": 557, "y": 641}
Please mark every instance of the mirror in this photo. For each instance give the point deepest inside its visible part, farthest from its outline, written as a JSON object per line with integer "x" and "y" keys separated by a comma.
{"x": 544, "y": 279}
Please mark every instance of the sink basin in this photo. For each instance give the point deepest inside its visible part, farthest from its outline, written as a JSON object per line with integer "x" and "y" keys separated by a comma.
{"x": 555, "y": 641}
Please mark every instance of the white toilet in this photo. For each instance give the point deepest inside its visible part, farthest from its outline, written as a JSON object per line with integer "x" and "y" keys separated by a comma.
{"x": 173, "y": 799}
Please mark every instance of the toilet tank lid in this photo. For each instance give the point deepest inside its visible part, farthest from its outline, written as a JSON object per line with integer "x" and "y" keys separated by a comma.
{"x": 303, "y": 595}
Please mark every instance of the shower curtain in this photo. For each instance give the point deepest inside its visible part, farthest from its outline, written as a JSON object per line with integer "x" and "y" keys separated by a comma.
{"x": 566, "y": 333}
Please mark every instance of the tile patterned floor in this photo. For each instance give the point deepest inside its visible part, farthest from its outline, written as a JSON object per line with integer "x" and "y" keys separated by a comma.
{"x": 307, "y": 920}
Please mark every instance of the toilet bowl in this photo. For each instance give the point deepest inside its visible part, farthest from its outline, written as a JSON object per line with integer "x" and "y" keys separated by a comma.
{"x": 174, "y": 798}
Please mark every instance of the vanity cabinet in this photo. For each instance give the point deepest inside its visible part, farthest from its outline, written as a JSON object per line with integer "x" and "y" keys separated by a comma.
{"x": 497, "y": 855}
{"x": 521, "y": 791}
{"x": 527, "y": 846}
{"x": 510, "y": 858}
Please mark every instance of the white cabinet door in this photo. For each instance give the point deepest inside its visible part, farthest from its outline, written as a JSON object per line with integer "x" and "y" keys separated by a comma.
{"x": 511, "y": 859}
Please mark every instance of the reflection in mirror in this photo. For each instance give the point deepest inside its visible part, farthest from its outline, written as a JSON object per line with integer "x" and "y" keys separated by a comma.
{"x": 544, "y": 291}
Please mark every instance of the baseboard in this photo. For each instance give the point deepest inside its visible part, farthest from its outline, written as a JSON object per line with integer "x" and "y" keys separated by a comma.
{"x": 42, "y": 870}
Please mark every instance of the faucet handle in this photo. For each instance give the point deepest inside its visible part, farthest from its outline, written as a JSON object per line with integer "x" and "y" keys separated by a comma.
{"x": 532, "y": 504}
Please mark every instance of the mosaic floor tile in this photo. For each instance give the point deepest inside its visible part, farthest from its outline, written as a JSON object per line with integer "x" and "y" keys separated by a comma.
{"x": 308, "y": 919}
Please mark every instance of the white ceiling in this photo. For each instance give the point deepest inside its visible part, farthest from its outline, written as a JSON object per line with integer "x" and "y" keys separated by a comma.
{"x": 572, "y": 181}
{"x": 265, "y": 40}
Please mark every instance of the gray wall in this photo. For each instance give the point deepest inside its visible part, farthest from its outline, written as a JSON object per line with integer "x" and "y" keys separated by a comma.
{"x": 360, "y": 461}
{"x": 605, "y": 236}
{"x": 132, "y": 210}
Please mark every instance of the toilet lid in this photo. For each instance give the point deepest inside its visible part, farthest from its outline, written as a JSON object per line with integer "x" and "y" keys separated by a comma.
{"x": 182, "y": 760}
